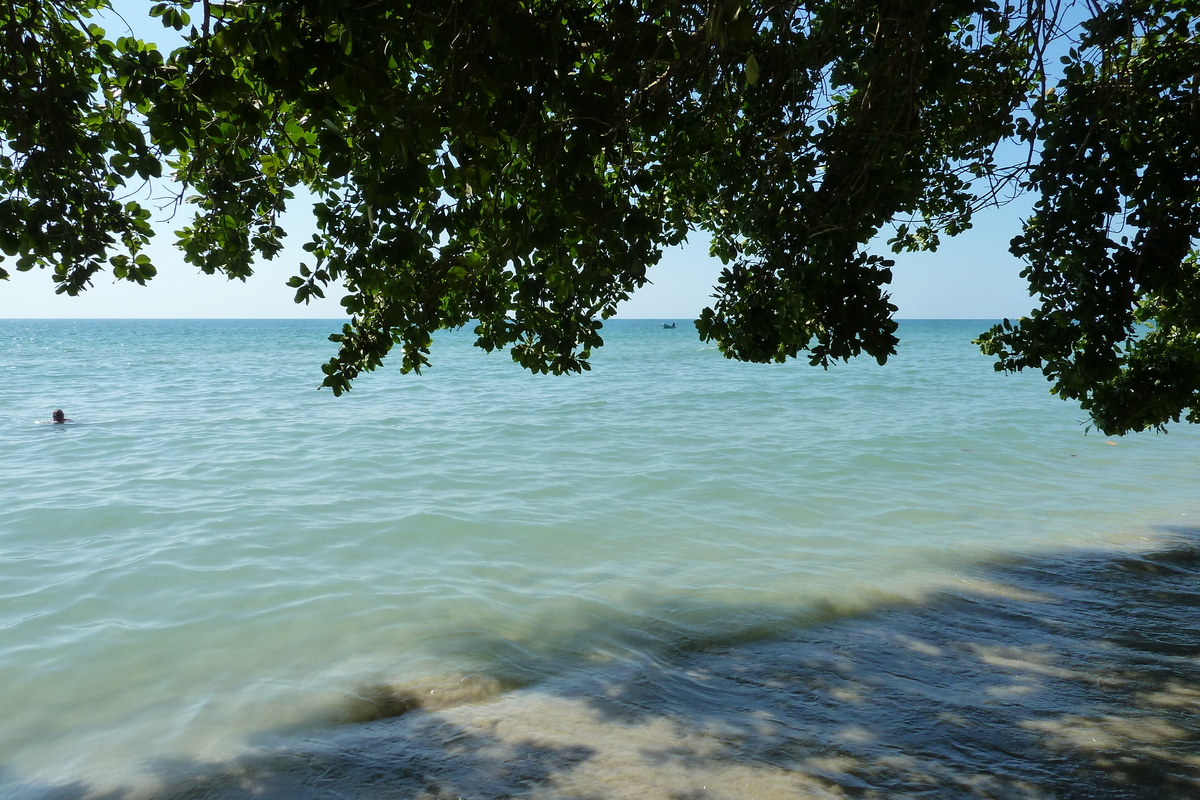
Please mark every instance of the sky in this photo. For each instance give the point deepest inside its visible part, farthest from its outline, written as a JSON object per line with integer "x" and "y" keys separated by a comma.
{"x": 970, "y": 277}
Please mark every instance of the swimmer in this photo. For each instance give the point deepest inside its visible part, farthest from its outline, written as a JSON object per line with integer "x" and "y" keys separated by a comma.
{"x": 58, "y": 417}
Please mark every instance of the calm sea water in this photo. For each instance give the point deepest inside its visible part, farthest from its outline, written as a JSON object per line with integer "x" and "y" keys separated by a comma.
{"x": 217, "y": 576}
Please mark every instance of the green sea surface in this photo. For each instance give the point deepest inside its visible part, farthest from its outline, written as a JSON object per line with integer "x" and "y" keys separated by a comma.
{"x": 217, "y": 575}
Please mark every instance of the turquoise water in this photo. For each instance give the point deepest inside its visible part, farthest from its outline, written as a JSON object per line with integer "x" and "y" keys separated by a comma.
{"x": 216, "y": 559}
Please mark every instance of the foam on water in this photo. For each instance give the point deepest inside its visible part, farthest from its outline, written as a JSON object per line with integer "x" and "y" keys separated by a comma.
{"x": 215, "y": 554}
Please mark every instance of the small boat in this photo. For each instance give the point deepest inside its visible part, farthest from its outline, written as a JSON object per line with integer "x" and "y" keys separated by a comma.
{"x": 668, "y": 325}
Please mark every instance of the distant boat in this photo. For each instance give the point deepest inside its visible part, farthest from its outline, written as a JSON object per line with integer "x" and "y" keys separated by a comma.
{"x": 668, "y": 324}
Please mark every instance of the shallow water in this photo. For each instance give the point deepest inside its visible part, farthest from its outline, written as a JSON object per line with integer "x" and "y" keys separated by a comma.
{"x": 218, "y": 571}
{"x": 1075, "y": 675}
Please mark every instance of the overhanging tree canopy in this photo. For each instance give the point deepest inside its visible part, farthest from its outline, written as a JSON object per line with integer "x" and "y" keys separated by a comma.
{"x": 522, "y": 164}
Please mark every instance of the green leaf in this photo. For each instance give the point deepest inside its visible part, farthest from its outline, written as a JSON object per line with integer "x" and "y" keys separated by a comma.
{"x": 751, "y": 70}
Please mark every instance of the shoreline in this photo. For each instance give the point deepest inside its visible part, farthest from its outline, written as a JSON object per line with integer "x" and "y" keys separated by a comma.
{"x": 1075, "y": 675}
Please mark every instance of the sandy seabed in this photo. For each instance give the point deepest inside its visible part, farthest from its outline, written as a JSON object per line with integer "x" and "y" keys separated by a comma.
{"x": 1071, "y": 676}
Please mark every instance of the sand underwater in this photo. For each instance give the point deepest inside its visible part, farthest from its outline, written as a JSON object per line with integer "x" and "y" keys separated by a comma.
{"x": 1068, "y": 676}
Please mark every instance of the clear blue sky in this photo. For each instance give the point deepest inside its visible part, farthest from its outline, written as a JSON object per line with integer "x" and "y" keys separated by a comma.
{"x": 970, "y": 277}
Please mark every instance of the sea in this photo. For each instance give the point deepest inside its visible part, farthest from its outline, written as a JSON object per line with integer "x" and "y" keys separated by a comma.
{"x": 674, "y": 577}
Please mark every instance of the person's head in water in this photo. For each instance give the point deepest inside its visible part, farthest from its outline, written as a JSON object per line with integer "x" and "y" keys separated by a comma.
{"x": 58, "y": 416}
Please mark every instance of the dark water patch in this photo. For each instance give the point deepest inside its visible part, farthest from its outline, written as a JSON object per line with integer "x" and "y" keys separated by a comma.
{"x": 1071, "y": 676}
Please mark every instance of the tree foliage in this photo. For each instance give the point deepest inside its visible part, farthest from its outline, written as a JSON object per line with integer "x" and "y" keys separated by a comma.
{"x": 1110, "y": 249}
{"x": 69, "y": 141}
{"x": 519, "y": 165}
